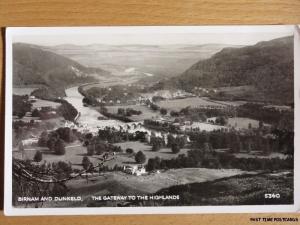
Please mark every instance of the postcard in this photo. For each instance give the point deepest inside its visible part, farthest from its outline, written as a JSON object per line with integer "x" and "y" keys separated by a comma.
{"x": 152, "y": 120}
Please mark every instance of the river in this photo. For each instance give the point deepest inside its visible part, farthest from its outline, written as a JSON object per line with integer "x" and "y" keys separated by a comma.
{"x": 89, "y": 116}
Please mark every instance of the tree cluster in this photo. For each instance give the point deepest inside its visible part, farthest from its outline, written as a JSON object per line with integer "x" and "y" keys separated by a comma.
{"x": 128, "y": 112}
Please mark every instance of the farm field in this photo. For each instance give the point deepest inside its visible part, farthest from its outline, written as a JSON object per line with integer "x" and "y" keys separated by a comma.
{"x": 242, "y": 123}
{"x": 194, "y": 102}
{"x": 22, "y": 90}
{"x": 244, "y": 189}
{"x": 270, "y": 156}
{"x": 104, "y": 83}
{"x": 44, "y": 103}
{"x": 228, "y": 103}
{"x": 146, "y": 112}
{"x": 74, "y": 154}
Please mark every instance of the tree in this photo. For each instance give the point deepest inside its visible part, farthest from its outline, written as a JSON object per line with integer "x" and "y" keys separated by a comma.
{"x": 202, "y": 117}
{"x": 235, "y": 143}
{"x": 163, "y": 111}
{"x": 140, "y": 157}
{"x": 91, "y": 149}
{"x": 171, "y": 140}
{"x": 67, "y": 110}
{"x": 221, "y": 120}
{"x": 43, "y": 139}
{"x": 86, "y": 101}
{"x": 21, "y": 114}
{"x": 59, "y": 147}
{"x": 121, "y": 111}
{"x": 51, "y": 143}
{"x": 88, "y": 136}
{"x": 249, "y": 146}
{"x": 206, "y": 147}
{"x": 153, "y": 164}
{"x": 174, "y": 113}
{"x": 86, "y": 162}
{"x": 21, "y": 147}
{"x": 155, "y": 146}
{"x": 66, "y": 134}
{"x": 260, "y": 124}
{"x": 266, "y": 144}
{"x": 250, "y": 126}
{"x": 21, "y": 105}
{"x": 175, "y": 148}
{"x": 180, "y": 141}
{"x": 38, "y": 156}
{"x": 35, "y": 113}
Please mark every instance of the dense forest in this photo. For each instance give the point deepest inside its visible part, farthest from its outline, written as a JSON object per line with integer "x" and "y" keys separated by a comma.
{"x": 267, "y": 66}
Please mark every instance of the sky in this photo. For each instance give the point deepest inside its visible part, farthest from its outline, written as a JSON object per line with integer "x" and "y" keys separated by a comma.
{"x": 236, "y": 35}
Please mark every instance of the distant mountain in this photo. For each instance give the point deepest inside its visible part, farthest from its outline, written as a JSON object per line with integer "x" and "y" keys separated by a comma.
{"x": 163, "y": 60}
{"x": 268, "y": 67}
{"x": 32, "y": 65}
{"x": 212, "y": 47}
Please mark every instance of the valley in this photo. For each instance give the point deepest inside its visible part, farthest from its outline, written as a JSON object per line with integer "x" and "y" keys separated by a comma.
{"x": 131, "y": 119}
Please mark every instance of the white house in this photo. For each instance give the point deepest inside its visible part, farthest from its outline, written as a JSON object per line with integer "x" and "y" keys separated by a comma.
{"x": 136, "y": 170}
{"x": 30, "y": 141}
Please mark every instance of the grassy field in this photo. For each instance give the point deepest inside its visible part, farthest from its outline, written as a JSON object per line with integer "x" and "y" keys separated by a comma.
{"x": 203, "y": 126}
{"x": 270, "y": 156}
{"x": 75, "y": 152}
{"x": 119, "y": 183}
{"x": 22, "y": 90}
{"x": 164, "y": 153}
{"x": 154, "y": 182}
{"x": 229, "y": 103}
{"x": 245, "y": 189}
{"x": 44, "y": 103}
{"x": 194, "y": 102}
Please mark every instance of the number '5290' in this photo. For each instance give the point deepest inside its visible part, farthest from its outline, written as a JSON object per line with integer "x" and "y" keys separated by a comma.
{"x": 272, "y": 195}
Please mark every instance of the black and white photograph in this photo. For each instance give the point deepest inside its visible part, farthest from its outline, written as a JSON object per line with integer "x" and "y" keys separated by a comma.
{"x": 114, "y": 120}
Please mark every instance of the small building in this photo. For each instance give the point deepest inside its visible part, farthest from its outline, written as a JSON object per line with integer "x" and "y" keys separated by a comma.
{"x": 30, "y": 142}
{"x": 32, "y": 98}
{"x": 187, "y": 123}
{"x": 28, "y": 114}
{"x": 136, "y": 170}
{"x": 148, "y": 138}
